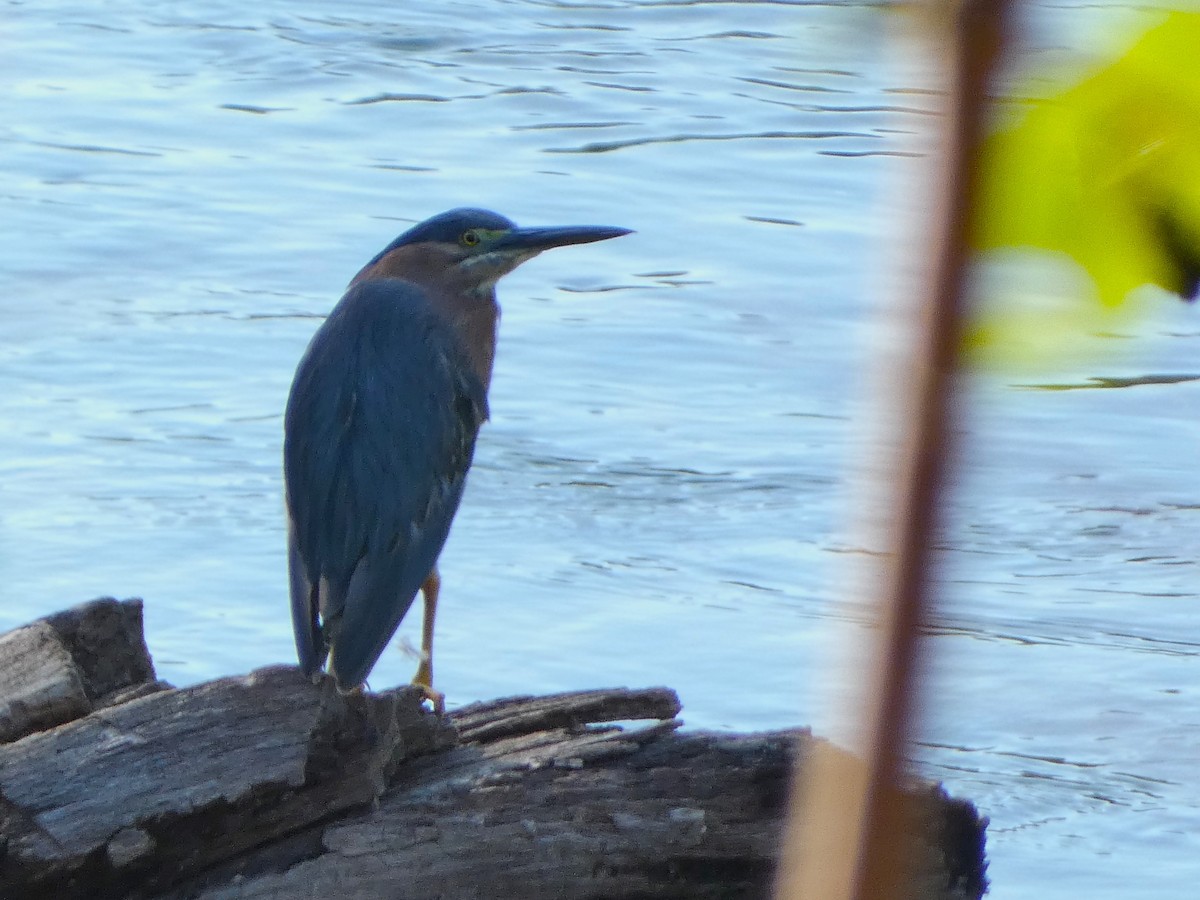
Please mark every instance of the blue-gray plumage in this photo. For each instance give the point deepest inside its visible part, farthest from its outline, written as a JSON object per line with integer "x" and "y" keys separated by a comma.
{"x": 380, "y": 430}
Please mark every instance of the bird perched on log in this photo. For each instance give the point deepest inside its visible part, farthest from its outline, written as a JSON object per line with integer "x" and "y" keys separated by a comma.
{"x": 380, "y": 430}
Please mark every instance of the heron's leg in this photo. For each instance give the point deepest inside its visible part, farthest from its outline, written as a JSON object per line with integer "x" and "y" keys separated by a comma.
{"x": 424, "y": 677}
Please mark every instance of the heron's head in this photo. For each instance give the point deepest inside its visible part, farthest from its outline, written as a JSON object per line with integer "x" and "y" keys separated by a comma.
{"x": 469, "y": 250}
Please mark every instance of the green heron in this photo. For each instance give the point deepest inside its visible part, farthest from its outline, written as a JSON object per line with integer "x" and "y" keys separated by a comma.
{"x": 380, "y": 430}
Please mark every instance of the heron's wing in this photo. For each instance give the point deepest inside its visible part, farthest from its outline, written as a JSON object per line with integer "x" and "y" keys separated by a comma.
{"x": 306, "y": 625}
{"x": 379, "y": 433}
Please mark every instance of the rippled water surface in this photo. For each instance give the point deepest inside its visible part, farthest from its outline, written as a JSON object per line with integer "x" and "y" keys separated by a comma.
{"x": 669, "y": 489}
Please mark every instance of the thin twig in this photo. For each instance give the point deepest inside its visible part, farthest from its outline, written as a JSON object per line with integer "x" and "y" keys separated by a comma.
{"x": 846, "y": 837}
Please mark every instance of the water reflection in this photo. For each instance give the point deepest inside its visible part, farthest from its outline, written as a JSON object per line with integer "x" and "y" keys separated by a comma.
{"x": 1095, "y": 382}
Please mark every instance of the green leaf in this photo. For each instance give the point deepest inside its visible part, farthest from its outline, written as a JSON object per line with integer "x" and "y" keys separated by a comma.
{"x": 1101, "y": 174}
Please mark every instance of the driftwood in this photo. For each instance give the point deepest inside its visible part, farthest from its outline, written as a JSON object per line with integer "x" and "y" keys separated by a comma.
{"x": 114, "y": 785}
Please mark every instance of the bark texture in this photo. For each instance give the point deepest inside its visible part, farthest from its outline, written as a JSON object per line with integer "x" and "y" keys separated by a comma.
{"x": 113, "y": 785}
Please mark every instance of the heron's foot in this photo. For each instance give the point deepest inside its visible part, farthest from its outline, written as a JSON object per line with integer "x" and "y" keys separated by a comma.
{"x": 424, "y": 680}
{"x": 437, "y": 698}
{"x": 353, "y": 690}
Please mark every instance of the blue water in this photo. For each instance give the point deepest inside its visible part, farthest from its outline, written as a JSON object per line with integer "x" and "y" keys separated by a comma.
{"x": 672, "y": 489}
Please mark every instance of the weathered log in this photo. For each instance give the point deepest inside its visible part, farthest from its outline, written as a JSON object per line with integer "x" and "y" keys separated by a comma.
{"x": 64, "y": 666}
{"x": 269, "y": 786}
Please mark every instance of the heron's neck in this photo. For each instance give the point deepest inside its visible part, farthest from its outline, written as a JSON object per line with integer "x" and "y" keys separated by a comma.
{"x": 475, "y": 319}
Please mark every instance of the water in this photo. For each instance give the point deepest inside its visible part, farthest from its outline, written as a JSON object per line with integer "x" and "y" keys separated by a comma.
{"x": 670, "y": 488}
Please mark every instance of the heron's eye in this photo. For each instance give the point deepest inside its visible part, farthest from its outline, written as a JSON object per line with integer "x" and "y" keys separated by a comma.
{"x": 469, "y": 238}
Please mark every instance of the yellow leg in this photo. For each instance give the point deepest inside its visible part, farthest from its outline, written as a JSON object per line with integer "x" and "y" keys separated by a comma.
{"x": 424, "y": 677}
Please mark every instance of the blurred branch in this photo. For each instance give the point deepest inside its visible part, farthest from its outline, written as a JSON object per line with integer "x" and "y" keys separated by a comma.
{"x": 848, "y": 820}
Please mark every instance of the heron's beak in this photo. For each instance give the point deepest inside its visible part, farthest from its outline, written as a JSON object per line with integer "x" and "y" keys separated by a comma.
{"x": 535, "y": 240}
